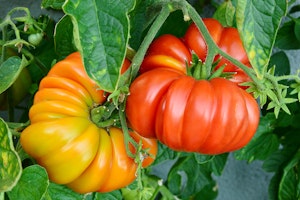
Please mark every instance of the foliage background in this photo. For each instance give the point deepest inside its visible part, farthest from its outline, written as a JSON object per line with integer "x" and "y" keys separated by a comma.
{"x": 239, "y": 179}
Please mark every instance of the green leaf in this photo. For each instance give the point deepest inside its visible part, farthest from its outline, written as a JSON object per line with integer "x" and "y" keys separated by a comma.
{"x": 225, "y": 14}
{"x": 286, "y": 38}
{"x": 281, "y": 62}
{"x": 58, "y": 192}
{"x": 264, "y": 142}
{"x": 217, "y": 165}
{"x": 258, "y": 23}
{"x": 101, "y": 32}
{"x": 187, "y": 177}
{"x": 174, "y": 24}
{"x": 165, "y": 153}
{"x": 141, "y": 18}
{"x": 9, "y": 71}
{"x": 32, "y": 184}
{"x": 63, "y": 37}
{"x": 209, "y": 192}
{"x": 114, "y": 195}
{"x": 55, "y": 4}
{"x": 202, "y": 158}
{"x": 297, "y": 29}
{"x": 10, "y": 163}
{"x": 273, "y": 186}
{"x": 289, "y": 187}
{"x": 214, "y": 164}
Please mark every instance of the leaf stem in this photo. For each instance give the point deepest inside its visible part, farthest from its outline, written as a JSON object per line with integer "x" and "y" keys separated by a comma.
{"x": 139, "y": 56}
{"x": 127, "y": 138}
{"x": 212, "y": 47}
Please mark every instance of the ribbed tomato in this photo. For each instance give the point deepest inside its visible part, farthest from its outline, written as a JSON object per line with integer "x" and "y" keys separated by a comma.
{"x": 186, "y": 114}
{"x": 63, "y": 138}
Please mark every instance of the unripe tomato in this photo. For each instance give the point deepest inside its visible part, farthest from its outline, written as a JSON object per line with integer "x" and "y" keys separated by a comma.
{"x": 35, "y": 38}
{"x": 63, "y": 138}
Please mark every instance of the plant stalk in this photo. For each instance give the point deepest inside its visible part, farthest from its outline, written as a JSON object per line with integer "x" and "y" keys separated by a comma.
{"x": 140, "y": 54}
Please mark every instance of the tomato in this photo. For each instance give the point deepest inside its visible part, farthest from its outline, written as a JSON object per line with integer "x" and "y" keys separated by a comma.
{"x": 35, "y": 38}
{"x": 228, "y": 40}
{"x": 18, "y": 90}
{"x": 167, "y": 51}
{"x": 63, "y": 138}
{"x": 190, "y": 115}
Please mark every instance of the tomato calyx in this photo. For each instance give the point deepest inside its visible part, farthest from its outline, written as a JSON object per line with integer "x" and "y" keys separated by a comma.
{"x": 199, "y": 71}
{"x": 197, "y": 68}
{"x": 104, "y": 115}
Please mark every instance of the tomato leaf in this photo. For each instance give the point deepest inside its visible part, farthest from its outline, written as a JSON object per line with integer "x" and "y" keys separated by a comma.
{"x": 217, "y": 164}
{"x": 264, "y": 142}
{"x": 289, "y": 187}
{"x": 297, "y": 29}
{"x": 56, "y": 191}
{"x": 10, "y": 163}
{"x": 101, "y": 32}
{"x": 55, "y": 4}
{"x": 225, "y": 14}
{"x": 286, "y": 38}
{"x": 187, "y": 177}
{"x": 258, "y": 23}
{"x": 114, "y": 195}
{"x": 10, "y": 70}
{"x": 63, "y": 37}
{"x": 140, "y": 19}
{"x": 32, "y": 184}
{"x": 281, "y": 61}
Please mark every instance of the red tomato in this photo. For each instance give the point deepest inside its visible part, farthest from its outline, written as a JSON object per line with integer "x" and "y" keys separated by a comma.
{"x": 165, "y": 52}
{"x": 210, "y": 117}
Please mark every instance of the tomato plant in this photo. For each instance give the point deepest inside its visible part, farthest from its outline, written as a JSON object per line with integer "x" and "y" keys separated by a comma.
{"x": 151, "y": 34}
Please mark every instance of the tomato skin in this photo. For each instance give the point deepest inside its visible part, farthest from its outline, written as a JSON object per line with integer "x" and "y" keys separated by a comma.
{"x": 63, "y": 139}
{"x": 144, "y": 98}
{"x": 192, "y": 115}
{"x": 195, "y": 41}
{"x": 167, "y": 51}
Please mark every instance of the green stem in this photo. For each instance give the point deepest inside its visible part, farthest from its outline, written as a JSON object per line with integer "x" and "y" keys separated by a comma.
{"x": 288, "y": 77}
{"x": 275, "y": 84}
{"x": 212, "y": 47}
{"x": 127, "y": 138}
{"x": 139, "y": 56}
{"x": 155, "y": 193}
